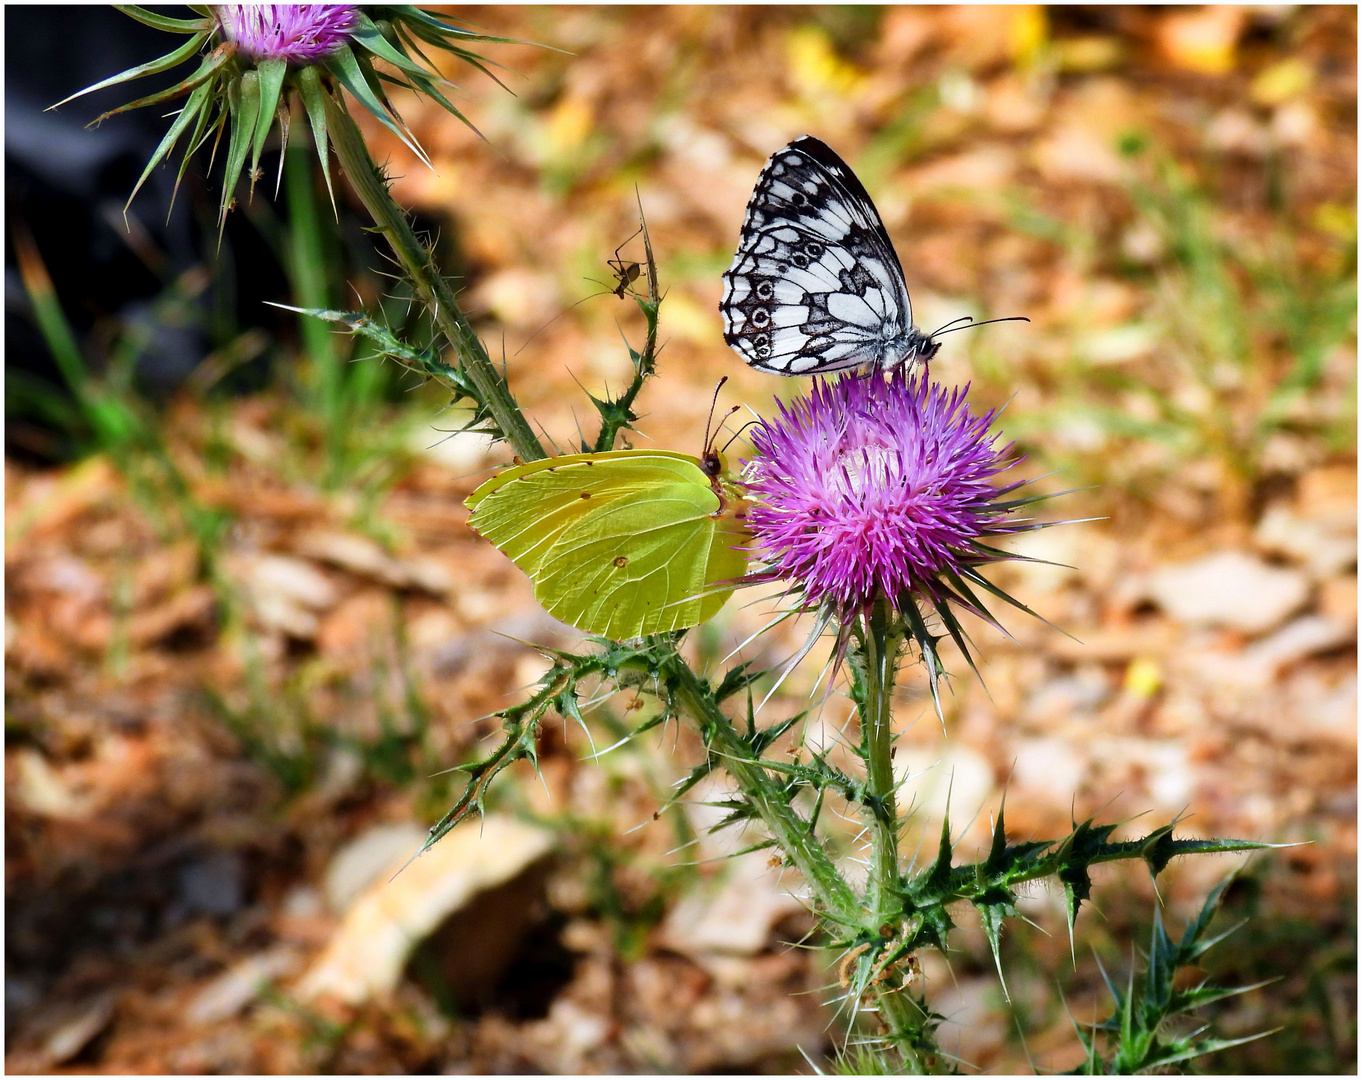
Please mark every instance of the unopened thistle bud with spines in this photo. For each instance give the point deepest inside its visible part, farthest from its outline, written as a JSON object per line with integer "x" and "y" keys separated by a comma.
{"x": 252, "y": 56}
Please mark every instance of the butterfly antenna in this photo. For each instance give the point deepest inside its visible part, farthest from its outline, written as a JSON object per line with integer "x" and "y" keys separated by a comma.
{"x": 714, "y": 404}
{"x": 967, "y": 320}
{"x": 737, "y": 434}
{"x": 953, "y": 324}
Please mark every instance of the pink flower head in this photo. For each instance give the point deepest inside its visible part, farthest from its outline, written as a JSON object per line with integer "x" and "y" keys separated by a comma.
{"x": 298, "y": 33}
{"x": 877, "y": 487}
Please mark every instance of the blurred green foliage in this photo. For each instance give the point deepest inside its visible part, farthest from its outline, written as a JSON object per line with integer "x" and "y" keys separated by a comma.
{"x": 1241, "y": 332}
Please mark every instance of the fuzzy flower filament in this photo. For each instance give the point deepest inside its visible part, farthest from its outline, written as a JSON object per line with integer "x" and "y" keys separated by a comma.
{"x": 876, "y": 487}
{"x": 296, "y": 33}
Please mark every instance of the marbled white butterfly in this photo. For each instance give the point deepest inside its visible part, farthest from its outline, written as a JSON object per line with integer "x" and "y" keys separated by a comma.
{"x": 816, "y": 285}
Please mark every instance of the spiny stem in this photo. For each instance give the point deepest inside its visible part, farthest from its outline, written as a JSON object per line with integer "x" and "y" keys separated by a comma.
{"x": 880, "y": 647}
{"x": 621, "y": 412}
{"x": 434, "y": 291}
{"x": 903, "y": 1021}
{"x": 790, "y": 831}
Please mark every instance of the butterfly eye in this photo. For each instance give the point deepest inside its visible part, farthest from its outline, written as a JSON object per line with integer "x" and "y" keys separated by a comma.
{"x": 761, "y": 317}
{"x": 813, "y": 249}
{"x": 765, "y": 290}
{"x": 800, "y": 260}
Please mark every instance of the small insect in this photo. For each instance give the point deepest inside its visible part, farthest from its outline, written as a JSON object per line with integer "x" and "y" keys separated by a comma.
{"x": 816, "y": 285}
{"x": 626, "y": 273}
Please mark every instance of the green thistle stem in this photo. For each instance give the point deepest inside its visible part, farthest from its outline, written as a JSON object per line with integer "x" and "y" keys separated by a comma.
{"x": 903, "y": 1017}
{"x": 883, "y": 642}
{"x": 880, "y": 648}
{"x": 792, "y": 834}
{"x": 372, "y": 189}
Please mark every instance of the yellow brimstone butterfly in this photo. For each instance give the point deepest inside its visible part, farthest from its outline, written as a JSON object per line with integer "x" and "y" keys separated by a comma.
{"x": 620, "y": 543}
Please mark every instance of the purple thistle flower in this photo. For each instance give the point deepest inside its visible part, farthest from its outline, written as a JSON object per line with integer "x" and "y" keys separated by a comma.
{"x": 873, "y": 487}
{"x": 297, "y": 33}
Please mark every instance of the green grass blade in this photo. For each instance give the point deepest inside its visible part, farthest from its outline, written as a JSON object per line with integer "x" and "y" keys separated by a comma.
{"x": 52, "y": 323}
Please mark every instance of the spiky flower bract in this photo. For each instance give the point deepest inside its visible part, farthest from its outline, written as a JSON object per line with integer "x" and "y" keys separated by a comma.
{"x": 878, "y": 487}
{"x": 252, "y": 56}
{"x": 296, "y": 33}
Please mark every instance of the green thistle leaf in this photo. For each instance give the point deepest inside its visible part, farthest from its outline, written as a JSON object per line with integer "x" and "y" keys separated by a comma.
{"x": 348, "y": 71}
{"x": 272, "y": 74}
{"x": 151, "y": 67}
{"x": 311, "y": 91}
{"x": 212, "y": 64}
{"x": 196, "y": 108}
{"x": 157, "y": 21}
{"x": 994, "y": 906}
{"x": 1137, "y": 1028}
{"x": 369, "y": 35}
{"x": 243, "y": 98}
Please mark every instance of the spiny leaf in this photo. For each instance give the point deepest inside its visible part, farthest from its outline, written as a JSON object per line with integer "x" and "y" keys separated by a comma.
{"x": 201, "y": 103}
{"x": 1077, "y": 888}
{"x": 1138, "y": 1030}
{"x": 1161, "y": 965}
{"x": 1185, "y": 1050}
{"x": 348, "y": 70}
{"x": 365, "y": 33}
{"x": 993, "y": 907}
{"x": 244, "y": 96}
{"x": 272, "y": 74}
{"x": 212, "y": 63}
{"x": 194, "y": 109}
{"x": 311, "y": 91}
{"x": 938, "y": 876}
{"x": 975, "y": 576}
{"x": 737, "y": 678}
{"x": 1157, "y": 849}
{"x": 151, "y": 67}
{"x": 1186, "y": 1000}
{"x": 997, "y": 852}
{"x": 926, "y": 642}
{"x": 158, "y": 21}
{"x": 952, "y": 624}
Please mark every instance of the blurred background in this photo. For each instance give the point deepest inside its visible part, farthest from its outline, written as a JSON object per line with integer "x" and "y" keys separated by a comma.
{"x": 247, "y": 627}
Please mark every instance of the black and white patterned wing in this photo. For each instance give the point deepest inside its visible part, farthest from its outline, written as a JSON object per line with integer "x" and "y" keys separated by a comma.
{"x": 816, "y": 285}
